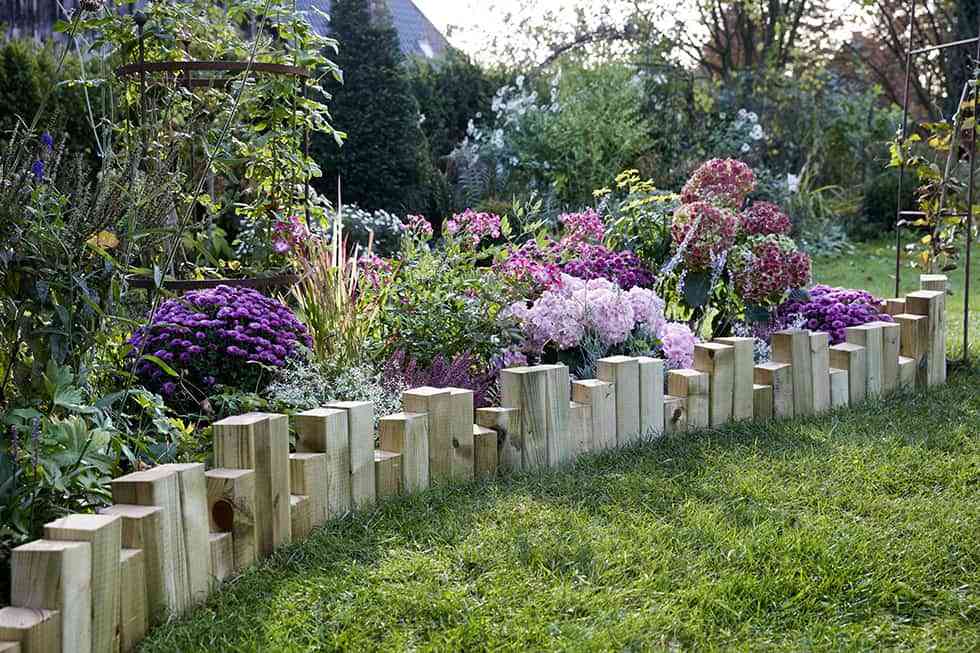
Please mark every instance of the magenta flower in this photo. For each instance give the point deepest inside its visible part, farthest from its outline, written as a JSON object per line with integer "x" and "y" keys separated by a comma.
{"x": 473, "y": 227}
{"x": 764, "y": 218}
{"x": 703, "y": 232}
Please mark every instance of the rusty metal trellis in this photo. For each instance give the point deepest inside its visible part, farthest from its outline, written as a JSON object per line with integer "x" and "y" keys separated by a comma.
{"x": 909, "y": 54}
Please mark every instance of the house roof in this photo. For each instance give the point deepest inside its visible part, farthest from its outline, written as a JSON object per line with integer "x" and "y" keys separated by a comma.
{"x": 416, "y": 33}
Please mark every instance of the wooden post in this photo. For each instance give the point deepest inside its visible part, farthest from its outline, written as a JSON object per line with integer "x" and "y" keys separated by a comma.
{"x": 891, "y": 335}
{"x": 526, "y": 388}
{"x": 558, "y": 401}
{"x": 388, "y": 473}
{"x": 360, "y": 429}
{"x": 851, "y": 358}
{"x": 743, "y": 394}
{"x": 939, "y": 282}
{"x": 308, "y": 477}
{"x": 37, "y": 631}
{"x": 104, "y": 534}
{"x": 675, "y": 414}
{"x": 906, "y": 373}
{"x": 718, "y": 362}
{"x": 793, "y": 346}
{"x": 839, "y": 390}
{"x": 580, "y": 427}
{"x": 693, "y": 387}
{"x": 820, "y": 369}
{"x": 194, "y": 515}
{"x": 300, "y": 517}
{"x": 222, "y": 556}
{"x": 762, "y": 401}
{"x": 484, "y": 452}
{"x": 651, "y": 397}
{"x": 56, "y": 576}
{"x": 932, "y": 304}
{"x": 260, "y": 442}
{"x": 780, "y": 377}
{"x": 408, "y": 434}
{"x": 324, "y": 430}
{"x": 133, "y": 610}
{"x": 506, "y": 422}
{"x": 869, "y": 336}
{"x": 143, "y": 528}
{"x": 624, "y": 373}
{"x": 600, "y": 396}
{"x": 436, "y": 404}
{"x": 914, "y": 344}
{"x": 231, "y": 509}
{"x": 895, "y": 306}
{"x": 461, "y": 432}
{"x": 9, "y": 647}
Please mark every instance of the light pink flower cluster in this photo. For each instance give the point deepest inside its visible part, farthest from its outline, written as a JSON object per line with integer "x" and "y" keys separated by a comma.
{"x": 530, "y": 263}
{"x": 767, "y": 267}
{"x": 702, "y": 232}
{"x": 474, "y": 226}
{"x": 765, "y": 218}
{"x": 584, "y": 226}
{"x": 648, "y": 309}
{"x": 678, "y": 345}
{"x": 725, "y": 182}
{"x": 418, "y": 226}
{"x": 289, "y": 233}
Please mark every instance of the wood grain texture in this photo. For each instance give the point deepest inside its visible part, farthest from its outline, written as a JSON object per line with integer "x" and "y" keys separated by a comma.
{"x": 895, "y": 306}
{"x": 526, "y": 388}
{"x": 222, "y": 547}
{"x": 600, "y": 396}
{"x": 506, "y": 422}
{"x": 851, "y": 358}
{"x": 461, "y": 431}
{"x": 743, "y": 392}
{"x": 762, "y": 401}
{"x": 914, "y": 343}
{"x": 937, "y": 282}
{"x": 104, "y": 534}
{"x": 360, "y": 431}
{"x": 624, "y": 373}
{"x": 408, "y": 434}
{"x": 194, "y": 514}
{"x": 820, "y": 369}
{"x": 792, "y": 346}
{"x": 436, "y": 404}
{"x": 869, "y": 336}
{"x": 779, "y": 376}
{"x": 718, "y": 362}
{"x": 651, "y": 397}
{"x": 10, "y": 647}
{"x": 308, "y": 477}
{"x": 906, "y": 373}
{"x": 133, "y": 610}
{"x": 260, "y": 442}
{"x": 52, "y": 575}
{"x": 932, "y": 304}
{"x": 891, "y": 335}
{"x": 580, "y": 428}
{"x": 693, "y": 386}
{"x": 300, "y": 517}
{"x": 231, "y": 509}
{"x": 37, "y": 631}
{"x": 558, "y": 393}
{"x": 387, "y": 474}
{"x": 484, "y": 452}
{"x": 839, "y": 390}
{"x": 143, "y": 528}
{"x": 324, "y": 430}
{"x": 675, "y": 414}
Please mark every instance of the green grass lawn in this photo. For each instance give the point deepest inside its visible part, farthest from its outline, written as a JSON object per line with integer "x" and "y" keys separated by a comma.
{"x": 856, "y": 530}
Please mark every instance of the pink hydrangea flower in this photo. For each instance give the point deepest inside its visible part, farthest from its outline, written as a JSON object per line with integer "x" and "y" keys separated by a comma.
{"x": 418, "y": 226}
{"x": 584, "y": 226}
{"x": 678, "y": 345}
{"x": 703, "y": 232}
{"x": 648, "y": 309}
{"x": 764, "y": 218}
{"x": 473, "y": 226}
{"x": 726, "y": 182}
{"x": 766, "y": 268}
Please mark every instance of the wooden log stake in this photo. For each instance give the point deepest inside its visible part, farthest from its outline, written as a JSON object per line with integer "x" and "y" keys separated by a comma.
{"x": 143, "y": 528}
{"x": 104, "y": 533}
{"x": 743, "y": 392}
{"x": 675, "y": 414}
{"x": 462, "y": 463}
{"x": 506, "y": 422}
{"x": 37, "y": 631}
{"x": 580, "y": 427}
{"x": 718, "y": 362}
{"x": 869, "y": 336}
{"x": 559, "y": 399}
{"x": 324, "y": 430}
{"x": 231, "y": 509}
{"x": 914, "y": 343}
{"x": 600, "y": 396}
{"x": 651, "y": 397}
{"x": 51, "y": 575}
{"x": 762, "y": 401}
{"x": 9, "y": 647}
{"x": 437, "y": 405}
{"x": 133, "y": 610}
{"x": 932, "y": 304}
{"x": 300, "y": 517}
{"x": 895, "y": 306}
{"x": 484, "y": 452}
{"x": 408, "y": 434}
{"x": 194, "y": 515}
{"x": 839, "y": 390}
{"x": 792, "y": 346}
{"x": 526, "y": 388}
{"x": 906, "y": 373}
{"x": 360, "y": 430}
{"x": 851, "y": 358}
{"x": 260, "y": 442}
{"x": 820, "y": 369}
{"x": 222, "y": 556}
{"x": 938, "y": 282}
{"x": 388, "y": 473}
{"x": 624, "y": 373}
{"x": 693, "y": 387}
{"x": 780, "y": 377}
{"x": 891, "y": 335}
{"x": 308, "y": 477}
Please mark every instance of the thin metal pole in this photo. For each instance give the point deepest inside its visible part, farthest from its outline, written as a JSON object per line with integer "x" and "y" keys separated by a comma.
{"x": 969, "y": 207}
{"x": 901, "y": 146}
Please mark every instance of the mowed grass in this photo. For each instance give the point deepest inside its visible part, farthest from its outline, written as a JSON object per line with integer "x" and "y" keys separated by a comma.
{"x": 856, "y": 530}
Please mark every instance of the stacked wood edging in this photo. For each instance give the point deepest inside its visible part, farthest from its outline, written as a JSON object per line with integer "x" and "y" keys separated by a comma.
{"x": 97, "y": 583}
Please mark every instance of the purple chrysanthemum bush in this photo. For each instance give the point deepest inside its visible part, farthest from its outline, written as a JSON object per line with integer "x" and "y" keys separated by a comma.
{"x": 223, "y": 336}
{"x": 832, "y": 310}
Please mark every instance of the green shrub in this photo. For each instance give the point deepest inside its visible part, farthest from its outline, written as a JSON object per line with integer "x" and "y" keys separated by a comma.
{"x": 880, "y": 204}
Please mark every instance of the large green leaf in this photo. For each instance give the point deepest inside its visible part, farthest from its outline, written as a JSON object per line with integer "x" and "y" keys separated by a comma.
{"x": 697, "y": 288}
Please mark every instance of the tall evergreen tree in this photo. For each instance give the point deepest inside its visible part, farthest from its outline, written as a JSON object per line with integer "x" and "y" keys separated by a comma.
{"x": 384, "y": 163}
